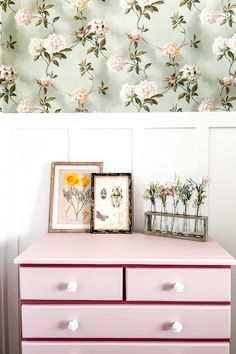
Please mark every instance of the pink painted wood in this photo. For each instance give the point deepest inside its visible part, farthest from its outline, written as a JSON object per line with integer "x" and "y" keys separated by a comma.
{"x": 123, "y": 249}
{"x": 126, "y": 321}
{"x": 144, "y": 284}
{"x": 51, "y": 283}
{"x": 123, "y": 348}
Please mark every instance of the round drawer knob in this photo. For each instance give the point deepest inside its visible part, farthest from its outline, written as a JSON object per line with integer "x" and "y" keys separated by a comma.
{"x": 179, "y": 288}
{"x": 177, "y": 327}
{"x": 73, "y": 325}
{"x": 72, "y": 287}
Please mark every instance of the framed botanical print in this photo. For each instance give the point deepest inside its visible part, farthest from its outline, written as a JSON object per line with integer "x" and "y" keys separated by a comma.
{"x": 70, "y": 195}
{"x": 111, "y": 207}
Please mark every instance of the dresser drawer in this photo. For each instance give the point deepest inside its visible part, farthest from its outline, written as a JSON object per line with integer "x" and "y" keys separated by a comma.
{"x": 70, "y": 283}
{"x": 125, "y": 321}
{"x": 178, "y": 284}
{"x": 124, "y": 348}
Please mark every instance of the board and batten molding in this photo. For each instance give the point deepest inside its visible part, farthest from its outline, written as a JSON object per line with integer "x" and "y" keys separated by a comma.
{"x": 154, "y": 146}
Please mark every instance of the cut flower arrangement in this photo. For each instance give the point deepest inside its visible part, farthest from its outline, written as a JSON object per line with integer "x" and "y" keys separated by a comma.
{"x": 170, "y": 208}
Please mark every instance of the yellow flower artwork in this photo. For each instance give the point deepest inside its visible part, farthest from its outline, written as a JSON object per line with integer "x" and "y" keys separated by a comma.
{"x": 77, "y": 195}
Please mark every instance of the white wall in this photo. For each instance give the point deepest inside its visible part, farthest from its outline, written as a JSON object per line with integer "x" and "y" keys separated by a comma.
{"x": 149, "y": 146}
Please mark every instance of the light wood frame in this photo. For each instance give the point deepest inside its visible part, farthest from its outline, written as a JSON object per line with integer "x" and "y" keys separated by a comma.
{"x": 52, "y": 186}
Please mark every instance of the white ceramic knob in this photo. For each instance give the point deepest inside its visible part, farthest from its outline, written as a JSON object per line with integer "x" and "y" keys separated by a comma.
{"x": 73, "y": 325}
{"x": 72, "y": 287}
{"x": 179, "y": 288}
{"x": 177, "y": 327}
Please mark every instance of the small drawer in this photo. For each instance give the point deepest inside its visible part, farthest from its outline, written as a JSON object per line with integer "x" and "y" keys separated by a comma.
{"x": 178, "y": 284}
{"x": 126, "y": 321}
{"x": 70, "y": 283}
{"x": 124, "y": 348}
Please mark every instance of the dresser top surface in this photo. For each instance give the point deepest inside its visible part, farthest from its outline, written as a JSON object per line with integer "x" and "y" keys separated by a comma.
{"x": 137, "y": 249}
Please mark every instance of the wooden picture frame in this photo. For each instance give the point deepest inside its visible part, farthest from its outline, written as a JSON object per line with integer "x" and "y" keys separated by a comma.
{"x": 71, "y": 195}
{"x": 111, "y": 207}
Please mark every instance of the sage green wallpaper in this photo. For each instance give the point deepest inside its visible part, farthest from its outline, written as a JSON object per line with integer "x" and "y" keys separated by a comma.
{"x": 118, "y": 55}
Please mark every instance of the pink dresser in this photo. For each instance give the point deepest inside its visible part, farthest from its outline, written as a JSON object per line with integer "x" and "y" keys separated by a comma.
{"x": 124, "y": 294}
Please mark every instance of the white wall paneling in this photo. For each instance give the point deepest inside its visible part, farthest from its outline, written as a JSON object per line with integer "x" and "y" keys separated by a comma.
{"x": 149, "y": 146}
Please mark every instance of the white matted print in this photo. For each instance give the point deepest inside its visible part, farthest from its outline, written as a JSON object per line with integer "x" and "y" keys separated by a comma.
{"x": 111, "y": 208}
{"x": 70, "y": 196}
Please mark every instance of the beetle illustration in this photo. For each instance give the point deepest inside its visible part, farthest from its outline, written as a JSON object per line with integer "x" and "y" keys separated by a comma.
{"x": 116, "y": 196}
{"x": 103, "y": 193}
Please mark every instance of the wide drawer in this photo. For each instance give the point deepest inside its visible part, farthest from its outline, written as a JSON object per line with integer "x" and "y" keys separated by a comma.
{"x": 39, "y": 283}
{"x": 124, "y": 348}
{"x": 126, "y": 321}
{"x": 178, "y": 284}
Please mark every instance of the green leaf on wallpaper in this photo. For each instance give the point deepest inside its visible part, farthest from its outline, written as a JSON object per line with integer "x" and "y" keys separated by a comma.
{"x": 147, "y": 66}
{"x": 138, "y": 8}
{"x": 10, "y": 43}
{"x": 102, "y": 43}
{"x": 90, "y": 50}
{"x": 231, "y": 55}
{"x": 194, "y": 89}
{"x": 194, "y": 42}
{"x": 182, "y": 95}
{"x": 47, "y": 56}
{"x": 177, "y": 20}
{"x": 147, "y": 16}
{"x": 146, "y": 108}
{"x": 66, "y": 50}
{"x": 12, "y": 89}
{"x": 55, "y": 62}
{"x": 175, "y": 108}
{"x": 55, "y": 19}
{"x": 189, "y": 3}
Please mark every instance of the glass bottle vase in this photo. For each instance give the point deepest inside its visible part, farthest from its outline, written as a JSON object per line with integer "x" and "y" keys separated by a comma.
{"x": 186, "y": 222}
{"x": 154, "y": 222}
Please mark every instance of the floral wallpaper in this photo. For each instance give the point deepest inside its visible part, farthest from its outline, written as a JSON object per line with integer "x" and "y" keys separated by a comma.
{"x": 117, "y": 55}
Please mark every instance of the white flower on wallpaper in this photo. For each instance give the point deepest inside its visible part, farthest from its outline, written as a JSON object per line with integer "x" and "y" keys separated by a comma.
{"x": 144, "y": 3}
{"x": 8, "y": 74}
{"x": 45, "y": 81}
{"x": 207, "y": 106}
{"x": 171, "y": 49}
{"x": 136, "y": 35}
{"x": 232, "y": 44}
{"x": 190, "y": 73}
{"x": 99, "y": 27}
{"x": 115, "y": 63}
{"x": 80, "y": 5}
{"x": 23, "y": 17}
{"x": 146, "y": 89}
{"x": 36, "y": 46}
{"x": 127, "y": 4}
{"x": 123, "y": 58}
{"x": 127, "y": 93}
{"x": 25, "y": 106}
{"x": 208, "y": 16}
{"x": 220, "y": 45}
{"x": 54, "y": 43}
{"x": 80, "y": 95}
{"x": 228, "y": 80}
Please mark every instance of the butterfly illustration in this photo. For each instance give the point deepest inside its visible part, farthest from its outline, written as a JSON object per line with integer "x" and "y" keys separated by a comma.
{"x": 101, "y": 217}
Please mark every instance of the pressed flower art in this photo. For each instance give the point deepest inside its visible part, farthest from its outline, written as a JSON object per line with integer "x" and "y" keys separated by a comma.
{"x": 77, "y": 195}
{"x": 71, "y": 195}
{"x": 118, "y": 56}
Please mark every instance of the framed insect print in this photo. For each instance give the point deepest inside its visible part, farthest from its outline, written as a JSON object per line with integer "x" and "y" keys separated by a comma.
{"x": 71, "y": 195}
{"x": 111, "y": 207}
